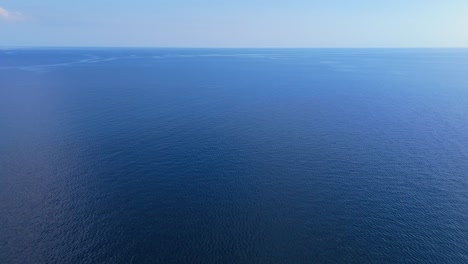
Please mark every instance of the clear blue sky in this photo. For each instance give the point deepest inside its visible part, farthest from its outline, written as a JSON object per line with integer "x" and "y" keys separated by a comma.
{"x": 241, "y": 23}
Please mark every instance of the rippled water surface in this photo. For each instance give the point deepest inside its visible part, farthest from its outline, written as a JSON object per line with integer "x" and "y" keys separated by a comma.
{"x": 233, "y": 156}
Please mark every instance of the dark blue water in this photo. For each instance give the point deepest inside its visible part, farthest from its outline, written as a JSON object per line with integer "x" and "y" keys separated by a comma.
{"x": 233, "y": 156}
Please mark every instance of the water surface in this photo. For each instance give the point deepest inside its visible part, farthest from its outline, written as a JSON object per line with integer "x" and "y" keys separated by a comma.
{"x": 233, "y": 156}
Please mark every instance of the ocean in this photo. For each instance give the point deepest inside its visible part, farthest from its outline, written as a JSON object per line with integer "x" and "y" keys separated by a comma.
{"x": 233, "y": 155}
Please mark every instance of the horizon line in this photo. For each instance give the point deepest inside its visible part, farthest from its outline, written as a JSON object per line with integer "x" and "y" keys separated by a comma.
{"x": 188, "y": 47}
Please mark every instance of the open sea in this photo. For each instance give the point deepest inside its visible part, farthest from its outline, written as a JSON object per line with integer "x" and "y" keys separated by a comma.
{"x": 233, "y": 156}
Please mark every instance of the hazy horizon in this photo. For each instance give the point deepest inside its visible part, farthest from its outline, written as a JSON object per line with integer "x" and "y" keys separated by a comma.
{"x": 208, "y": 47}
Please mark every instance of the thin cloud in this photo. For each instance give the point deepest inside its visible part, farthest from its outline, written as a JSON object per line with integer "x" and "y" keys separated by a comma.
{"x": 10, "y": 16}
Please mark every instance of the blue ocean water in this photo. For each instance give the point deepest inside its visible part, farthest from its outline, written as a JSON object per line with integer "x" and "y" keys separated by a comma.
{"x": 233, "y": 156}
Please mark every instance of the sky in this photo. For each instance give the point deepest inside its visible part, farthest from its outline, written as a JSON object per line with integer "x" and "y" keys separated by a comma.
{"x": 232, "y": 24}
